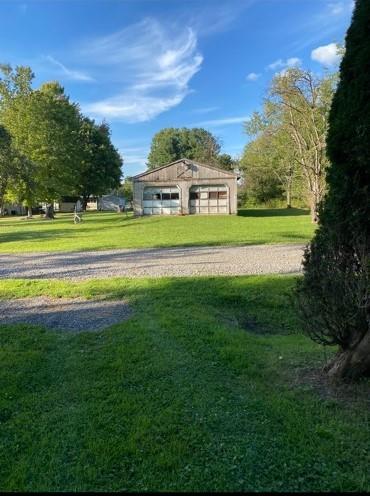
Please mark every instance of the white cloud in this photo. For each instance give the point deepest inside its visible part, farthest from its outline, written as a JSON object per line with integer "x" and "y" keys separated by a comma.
{"x": 252, "y": 76}
{"x": 293, "y": 62}
{"x": 133, "y": 106}
{"x": 219, "y": 18}
{"x": 132, "y": 156}
{"x": 204, "y": 110}
{"x": 151, "y": 62}
{"x": 336, "y": 8}
{"x": 327, "y": 55}
{"x": 276, "y": 65}
{"x": 221, "y": 122}
{"x": 284, "y": 64}
{"x": 134, "y": 159}
{"x": 331, "y": 18}
{"x": 69, "y": 73}
{"x": 341, "y": 8}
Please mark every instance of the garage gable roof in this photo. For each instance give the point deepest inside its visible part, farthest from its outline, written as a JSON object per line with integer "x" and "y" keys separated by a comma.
{"x": 186, "y": 161}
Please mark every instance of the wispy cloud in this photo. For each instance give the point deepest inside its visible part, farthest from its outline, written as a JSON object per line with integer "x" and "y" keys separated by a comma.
{"x": 69, "y": 73}
{"x": 336, "y": 8}
{"x": 341, "y": 7}
{"x": 328, "y": 21}
{"x": 253, "y": 76}
{"x": 204, "y": 110}
{"x": 327, "y": 55}
{"x": 152, "y": 62}
{"x": 226, "y": 121}
{"x": 284, "y": 64}
{"x": 221, "y": 17}
{"x": 134, "y": 158}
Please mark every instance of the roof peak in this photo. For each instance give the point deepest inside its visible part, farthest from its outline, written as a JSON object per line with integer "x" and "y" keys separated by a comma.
{"x": 188, "y": 162}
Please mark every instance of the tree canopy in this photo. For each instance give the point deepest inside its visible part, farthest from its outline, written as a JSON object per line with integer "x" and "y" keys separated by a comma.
{"x": 100, "y": 169}
{"x": 171, "y": 144}
{"x": 290, "y": 133}
{"x": 56, "y": 151}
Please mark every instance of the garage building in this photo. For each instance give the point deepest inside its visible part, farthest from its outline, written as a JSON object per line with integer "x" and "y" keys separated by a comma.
{"x": 185, "y": 187}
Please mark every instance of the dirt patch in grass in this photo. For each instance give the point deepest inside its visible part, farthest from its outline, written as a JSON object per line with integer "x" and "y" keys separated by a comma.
{"x": 64, "y": 314}
{"x": 249, "y": 324}
{"x": 349, "y": 392}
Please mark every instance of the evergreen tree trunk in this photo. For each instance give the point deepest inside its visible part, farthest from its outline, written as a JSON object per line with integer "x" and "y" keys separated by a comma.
{"x": 351, "y": 363}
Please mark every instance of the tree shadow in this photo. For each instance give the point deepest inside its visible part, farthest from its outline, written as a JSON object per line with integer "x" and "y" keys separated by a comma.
{"x": 257, "y": 304}
{"x": 272, "y": 212}
{"x": 65, "y": 314}
{"x": 33, "y": 236}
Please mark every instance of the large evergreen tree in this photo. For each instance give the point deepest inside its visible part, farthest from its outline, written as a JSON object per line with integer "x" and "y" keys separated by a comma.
{"x": 334, "y": 295}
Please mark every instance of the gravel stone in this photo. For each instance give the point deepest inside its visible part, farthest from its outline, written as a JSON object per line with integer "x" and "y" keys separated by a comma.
{"x": 155, "y": 262}
{"x": 64, "y": 314}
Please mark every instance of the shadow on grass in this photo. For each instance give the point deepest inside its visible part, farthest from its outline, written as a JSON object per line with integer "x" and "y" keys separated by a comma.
{"x": 272, "y": 212}
{"x": 174, "y": 398}
{"x": 265, "y": 301}
{"x": 33, "y": 236}
{"x": 53, "y": 230}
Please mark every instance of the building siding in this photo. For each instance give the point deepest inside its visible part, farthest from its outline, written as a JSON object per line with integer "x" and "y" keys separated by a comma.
{"x": 184, "y": 174}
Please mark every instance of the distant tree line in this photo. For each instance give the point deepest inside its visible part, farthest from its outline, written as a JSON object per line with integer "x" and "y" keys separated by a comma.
{"x": 48, "y": 148}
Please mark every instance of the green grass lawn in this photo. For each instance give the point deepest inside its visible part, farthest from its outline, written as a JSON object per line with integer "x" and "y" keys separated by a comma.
{"x": 202, "y": 389}
{"x": 112, "y": 230}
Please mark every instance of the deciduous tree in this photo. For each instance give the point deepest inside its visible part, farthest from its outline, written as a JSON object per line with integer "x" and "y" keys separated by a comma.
{"x": 6, "y": 165}
{"x": 44, "y": 127}
{"x": 100, "y": 169}
{"x": 291, "y": 132}
{"x": 271, "y": 158}
{"x": 171, "y": 144}
{"x": 302, "y": 103}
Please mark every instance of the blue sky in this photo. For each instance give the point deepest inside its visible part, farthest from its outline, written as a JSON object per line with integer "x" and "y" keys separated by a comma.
{"x": 148, "y": 64}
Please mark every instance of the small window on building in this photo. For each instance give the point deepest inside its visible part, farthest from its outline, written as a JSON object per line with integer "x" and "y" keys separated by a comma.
{"x": 156, "y": 196}
{"x": 174, "y": 196}
{"x": 213, "y": 195}
{"x": 194, "y": 195}
{"x": 222, "y": 194}
{"x": 166, "y": 196}
{"x": 148, "y": 196}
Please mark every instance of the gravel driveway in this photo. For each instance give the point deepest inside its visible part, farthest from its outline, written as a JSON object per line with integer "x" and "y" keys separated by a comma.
{"x": 155, "y": 262}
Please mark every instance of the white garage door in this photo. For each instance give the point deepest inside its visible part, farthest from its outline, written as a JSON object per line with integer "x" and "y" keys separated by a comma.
{"x": 209, "y": 200}
{"x": 159, "y": 201}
